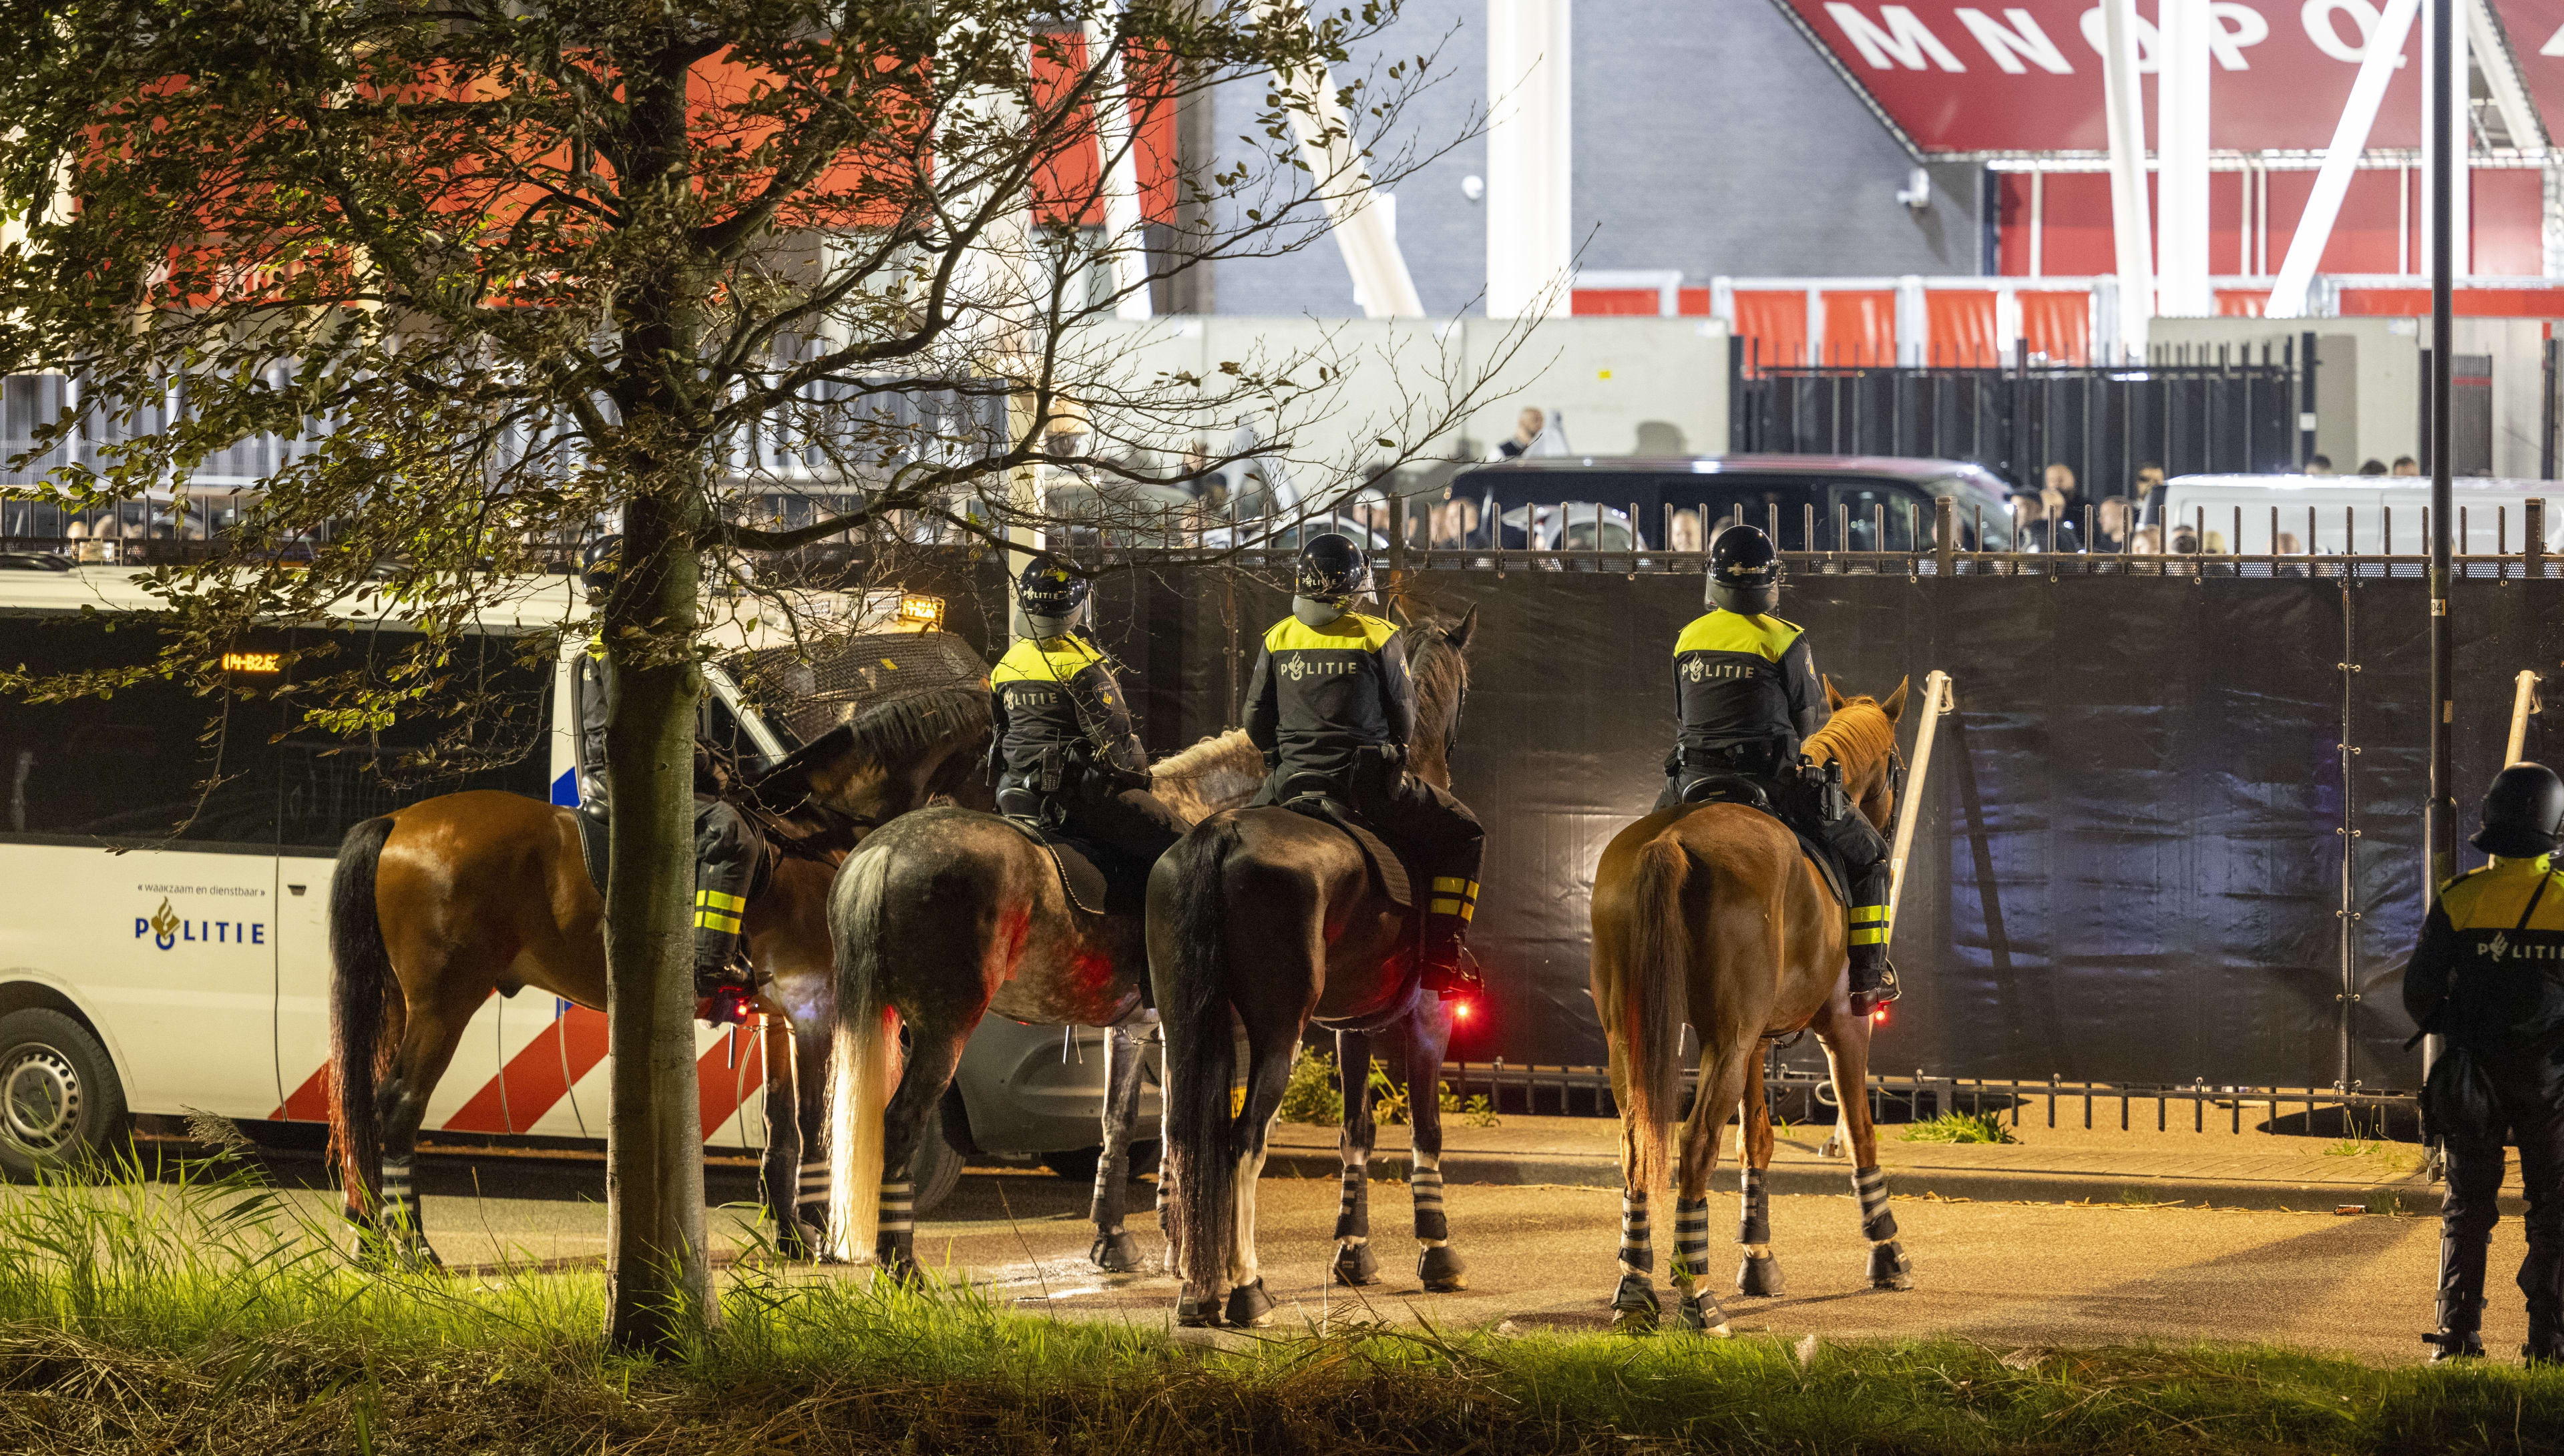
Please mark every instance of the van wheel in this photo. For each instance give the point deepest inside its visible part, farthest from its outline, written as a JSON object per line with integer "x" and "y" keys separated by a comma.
{"x": 61, "y": 1106}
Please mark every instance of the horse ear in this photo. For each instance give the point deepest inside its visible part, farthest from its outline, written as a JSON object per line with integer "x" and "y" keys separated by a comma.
{"x": 1397, "y": 612}
{"x": 1894, "y": 707}
{"x": 1458, "y": 637}
{"x": 1833, "y": 700}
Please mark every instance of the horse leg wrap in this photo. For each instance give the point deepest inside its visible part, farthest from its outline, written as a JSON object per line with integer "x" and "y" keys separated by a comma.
{"x": 1637, "y": 1250}
{"x": 1353, "y": 1210}
{"x": 1888, "y": 1266}
{"x": 1440, "y": 1270}
{"x": 1356, "y": 1264}
{"x": 1115, "y": 1251}
{"x": 401, "y": 1226}
{"x": 1249, "y": 1307}
{"x": 1759, "y": 1274}
{"x": 1197, "y": 1312}
{"x": 813, "y": 1192}
{"x": 1426, "y": 1187}
{"x": 1633, "y": 1304}
{"x": 1691, "y": 1240}
{"x": 895, "y": 1245}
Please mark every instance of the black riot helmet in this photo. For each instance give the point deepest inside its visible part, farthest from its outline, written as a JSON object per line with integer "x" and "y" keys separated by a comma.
{"x": 1053, "y": 597}
{"x": 1332, "y": 569}
{"x": 2524, "y": 812}
{"x": 1744, "y": 570}
{"x": 602, "y": 563}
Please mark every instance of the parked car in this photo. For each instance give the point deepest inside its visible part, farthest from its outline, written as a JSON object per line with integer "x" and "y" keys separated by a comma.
{"x": 1029, "y": 1092}
{"x": 1796, "y": 494}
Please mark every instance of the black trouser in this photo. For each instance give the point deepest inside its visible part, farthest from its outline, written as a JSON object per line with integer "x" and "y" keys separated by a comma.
{"x": 1425, "y": 825}
{"x": 1132, "y": 820}
{"x": 729, "y": 853}
{"x": 2529, "y": 1098}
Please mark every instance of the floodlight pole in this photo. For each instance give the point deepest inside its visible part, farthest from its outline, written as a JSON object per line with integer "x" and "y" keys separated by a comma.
{"x": 2438, "y": 815}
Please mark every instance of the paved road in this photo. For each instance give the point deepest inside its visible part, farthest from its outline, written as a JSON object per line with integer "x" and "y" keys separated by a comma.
{"x": 1540, "y": 1257}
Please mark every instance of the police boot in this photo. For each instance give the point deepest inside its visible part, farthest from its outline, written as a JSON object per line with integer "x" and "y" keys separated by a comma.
{"x": 1449, "y": 970}
{"x": 1873, "y": 980}
{"x": 725, "y": 985}
{"x": 2541, "y": 1278}
{"x": 2461, "y": 1277}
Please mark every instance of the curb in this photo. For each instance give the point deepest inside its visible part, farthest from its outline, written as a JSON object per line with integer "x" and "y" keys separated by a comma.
{"x": 2411, "y": 1194}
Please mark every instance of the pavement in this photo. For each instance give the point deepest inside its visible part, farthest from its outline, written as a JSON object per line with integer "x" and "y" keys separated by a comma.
{"x": 2072, "y": 1238}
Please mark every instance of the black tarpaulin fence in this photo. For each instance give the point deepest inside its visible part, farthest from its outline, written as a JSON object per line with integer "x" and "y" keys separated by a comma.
{"x": 2140, "y": 848}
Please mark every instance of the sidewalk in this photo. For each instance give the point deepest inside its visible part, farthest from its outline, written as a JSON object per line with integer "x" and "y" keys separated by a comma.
{"x": 2064, "y": 1164}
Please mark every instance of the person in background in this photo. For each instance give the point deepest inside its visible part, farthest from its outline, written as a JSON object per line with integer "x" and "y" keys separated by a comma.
{"x": 2058, "y": 489}
{"x": 2146, "y": 540}
{"x": 2405, "y": 465}
{"x": 2372, "y": 467}
{"x": 2184, "y": 542}
{"x": 2033, "y": 527}
{"x": 2319, "y": 465}
{"x": 2112, "y": 521}
{"x": 1686, "y": 533}
{"x": 1527, "y": 428}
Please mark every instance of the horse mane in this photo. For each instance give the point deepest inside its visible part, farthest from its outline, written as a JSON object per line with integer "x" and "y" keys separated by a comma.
{"x": 1854, "y": 737}
{"x": 1440, "y": 673}
{"x": 1220, "y": 772}
{"x": 913, "y": 723}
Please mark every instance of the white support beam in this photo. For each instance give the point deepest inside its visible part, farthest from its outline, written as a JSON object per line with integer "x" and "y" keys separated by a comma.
{"x": 2500, "y": 67}
{"x": 1123, "y": 228}
{"x": 2341, "y": 158}
{"x": 2181, "y": 142}
{"x": 1343, "y": 181}
{"x": 1530, "y": 155}
{"x": 2124, "y": 104}
{"x": 2460, "y": 120}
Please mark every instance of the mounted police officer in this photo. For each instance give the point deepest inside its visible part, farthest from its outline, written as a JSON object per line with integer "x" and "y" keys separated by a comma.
{"x": 1062, "y": 751}
{"x": 2488, "y": 977}
{"x": 1332, "y": 704}
{"x": 733, "y": 861}
{"x": 1746, "y": 695}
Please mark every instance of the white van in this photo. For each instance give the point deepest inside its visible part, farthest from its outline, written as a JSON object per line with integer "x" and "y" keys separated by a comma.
{"x": 163, "y": 944}
{"x": 2358, "y": 514}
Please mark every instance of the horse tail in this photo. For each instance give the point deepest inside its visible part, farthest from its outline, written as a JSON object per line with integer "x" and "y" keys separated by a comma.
{"x": 366, "y": 1014}
{"x": 860, "y": 1075}
{"x": 1654, "y": 1003}
{"x": 1201, "y": 1148}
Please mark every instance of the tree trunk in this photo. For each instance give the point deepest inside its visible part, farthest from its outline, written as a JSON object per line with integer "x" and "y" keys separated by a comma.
{"x": 658, "y": 1280}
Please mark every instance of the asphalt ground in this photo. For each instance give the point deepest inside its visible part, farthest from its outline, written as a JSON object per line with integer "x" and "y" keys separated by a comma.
{"x": 1542, "y": 1257}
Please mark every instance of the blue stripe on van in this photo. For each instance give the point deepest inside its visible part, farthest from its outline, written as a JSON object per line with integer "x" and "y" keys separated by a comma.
{"x": 565, "y": 789}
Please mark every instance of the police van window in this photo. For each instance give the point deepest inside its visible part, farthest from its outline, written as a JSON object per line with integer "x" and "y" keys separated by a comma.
{"x": 153, "y": 762}
{"x": 1859, "y": 502}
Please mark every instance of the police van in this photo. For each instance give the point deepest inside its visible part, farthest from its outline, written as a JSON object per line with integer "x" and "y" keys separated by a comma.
{"x": 166, "y": 858}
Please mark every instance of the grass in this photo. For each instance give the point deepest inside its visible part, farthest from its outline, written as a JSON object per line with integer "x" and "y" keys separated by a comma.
{"x": 204, "y": 1314}
{"x": 1314, "y": 1094}
{"x": 1960, "y": 1127}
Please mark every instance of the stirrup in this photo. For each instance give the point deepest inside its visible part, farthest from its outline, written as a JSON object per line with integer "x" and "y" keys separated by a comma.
{"x": 1454, "y": 977}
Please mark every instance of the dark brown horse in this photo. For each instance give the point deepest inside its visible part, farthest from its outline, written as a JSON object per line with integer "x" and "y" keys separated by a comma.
{"x": 947, "y": 915}
{"x": 436, "y": 905}
{"x": 1273, "y": 916}
{"x": 1709, "y": 915}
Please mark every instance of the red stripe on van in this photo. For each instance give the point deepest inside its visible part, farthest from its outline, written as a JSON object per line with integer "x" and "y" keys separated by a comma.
{"x": 533, "y": 1081}
{"x": 719, "y": 1087}
{"x": 310, "y": 1101}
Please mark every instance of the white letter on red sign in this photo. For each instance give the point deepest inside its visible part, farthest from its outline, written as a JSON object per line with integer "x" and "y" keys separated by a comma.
{"x": 2009, "y": 49}
{"x": 1906, "y": 38}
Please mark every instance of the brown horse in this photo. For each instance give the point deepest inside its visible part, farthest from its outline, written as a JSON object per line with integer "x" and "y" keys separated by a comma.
{"x": 1708, "y": 913}
{"x": 436, "y": 905}
{"x": 947, "y": 915}
{"x": 1273, "y": 916}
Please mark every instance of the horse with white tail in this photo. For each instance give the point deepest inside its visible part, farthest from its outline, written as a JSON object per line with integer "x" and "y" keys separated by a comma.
{"x": 1710, "y": 914}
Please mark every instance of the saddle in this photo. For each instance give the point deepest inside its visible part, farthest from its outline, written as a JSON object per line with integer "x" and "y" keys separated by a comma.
{"x": 1738, "y": 789}
{"x": 1389, "y": 873}
{"x": 1097, "y": 877}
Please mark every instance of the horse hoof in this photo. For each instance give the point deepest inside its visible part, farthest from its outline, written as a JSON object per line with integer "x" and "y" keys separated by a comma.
{"x": 1249, "y": 1307}
{"x": 1759, "y": 1278}
{"x": 1889, "y": 1268}
{"x": 1197, "y": 1313}
{"x": 1116, "y": 1253}
{"x": 1357, "y": 1264}
{"x": 1701, "y": 1314}
{"x": 1633, "y": 1306}
{"x": 1441, "y": 1271}
{"x": 900, "y": 1270}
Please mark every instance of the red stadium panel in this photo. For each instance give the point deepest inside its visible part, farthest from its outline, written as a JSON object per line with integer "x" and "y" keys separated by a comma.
{"x": 2057, "y": 325}
{"x": 2363, "y": 236}
{"x": 1860, "y": 326}
{"x": 2527, "y": 303}
{"x": 1587, "y": 303}
{"x": 2509, "y": 223}
{"x": 1963, "y": 328}
{"x": 1774, "y": 325}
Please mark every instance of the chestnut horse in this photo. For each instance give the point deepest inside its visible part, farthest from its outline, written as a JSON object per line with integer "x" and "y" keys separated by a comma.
{"x": 1271, "y": 917}
{"x": 1708, "y": 913}
{"x": 436, "y": 905}
{"x": 947, "y": 915}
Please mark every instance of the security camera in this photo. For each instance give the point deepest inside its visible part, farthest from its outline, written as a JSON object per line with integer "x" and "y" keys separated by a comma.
{"x": 1917, "y": 191}
{"x": 1473, "y": 187}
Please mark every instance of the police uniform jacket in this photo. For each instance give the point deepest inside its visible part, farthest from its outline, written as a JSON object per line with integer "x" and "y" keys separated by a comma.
{"x": 1055, "y": 693}
{"x": 2495, "y": 957}
{"x": 1322, "y": 695}
{"x": 1744, "y": 680}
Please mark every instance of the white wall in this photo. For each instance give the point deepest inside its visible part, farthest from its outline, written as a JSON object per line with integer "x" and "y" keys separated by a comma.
{"x": 2368, "y": 376}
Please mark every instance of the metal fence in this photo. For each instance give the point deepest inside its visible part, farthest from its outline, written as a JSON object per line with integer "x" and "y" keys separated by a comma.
{"x": 2191, "y": 410}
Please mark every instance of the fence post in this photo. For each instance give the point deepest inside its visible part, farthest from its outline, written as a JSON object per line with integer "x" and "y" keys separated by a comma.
{"x": 2533, "y": 549}
{"x": 1397, "y": 536}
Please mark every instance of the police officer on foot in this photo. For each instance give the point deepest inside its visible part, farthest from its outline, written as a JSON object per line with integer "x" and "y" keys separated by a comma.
{"x": 733, "y": 861}
{"x": 1331, "y": 702}
{"x": 1062, "y": 751}
{"x": 2488, "y": 976}
{"x": 1746, "y": 695}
